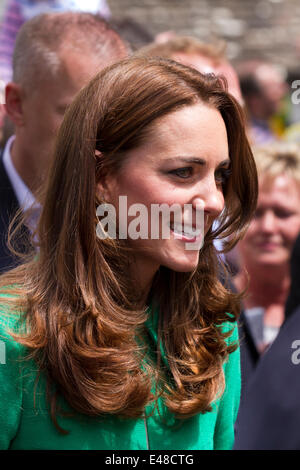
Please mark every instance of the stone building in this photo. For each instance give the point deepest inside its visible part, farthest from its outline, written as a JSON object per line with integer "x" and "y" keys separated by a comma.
{"x": 269, "y": 29}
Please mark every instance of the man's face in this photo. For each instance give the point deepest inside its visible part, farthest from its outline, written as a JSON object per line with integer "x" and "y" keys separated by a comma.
{"x": 44, "y": 107}
{"x": 273, "y": 87}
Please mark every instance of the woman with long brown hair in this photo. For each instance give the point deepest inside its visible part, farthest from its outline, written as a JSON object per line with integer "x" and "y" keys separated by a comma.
{"x": 128, "y": 342}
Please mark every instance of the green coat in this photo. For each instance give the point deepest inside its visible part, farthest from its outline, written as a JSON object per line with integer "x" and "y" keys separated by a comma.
{"x": 27, "y": 425}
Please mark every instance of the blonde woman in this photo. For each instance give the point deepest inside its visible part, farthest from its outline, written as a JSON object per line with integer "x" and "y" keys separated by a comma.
{"x": 265, "y": 251}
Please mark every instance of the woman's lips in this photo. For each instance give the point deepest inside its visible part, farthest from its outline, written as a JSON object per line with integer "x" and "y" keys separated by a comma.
{"x": 268, "y": 246}
{"x": 188, "y": 234}
{"x": 185, "y": 238}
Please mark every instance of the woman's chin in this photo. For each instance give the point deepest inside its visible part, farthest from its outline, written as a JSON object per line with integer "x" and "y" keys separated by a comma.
{"x": 184, "y": 265}
{"x": 270, "y": 259}
{"x": 267, "y": 266}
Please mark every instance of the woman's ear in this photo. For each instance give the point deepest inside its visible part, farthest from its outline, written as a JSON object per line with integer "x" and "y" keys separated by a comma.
{"x": 106, "y": 189}
{"x": 100, "y": 186}
{"x": 101, "y": 191}
{"x": 106, "y": 186}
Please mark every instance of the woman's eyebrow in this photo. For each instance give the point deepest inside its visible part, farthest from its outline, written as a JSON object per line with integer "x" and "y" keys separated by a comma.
{"x": 197, "y": 160}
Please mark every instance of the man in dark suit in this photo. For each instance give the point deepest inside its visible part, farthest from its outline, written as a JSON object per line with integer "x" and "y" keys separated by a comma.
{"x": 293, "y": 300}
{"x": 55, "y": 55}
{"x": 269, "y": 417}
{"x": 8, "y": 206}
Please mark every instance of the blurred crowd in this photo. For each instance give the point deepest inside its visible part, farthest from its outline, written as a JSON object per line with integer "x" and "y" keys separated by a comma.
{"x": 37, "y": 92}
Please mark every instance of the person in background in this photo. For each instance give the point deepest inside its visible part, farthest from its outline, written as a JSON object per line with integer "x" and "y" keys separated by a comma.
{"x": 263, "y": 88}
{"x": 293, "y": 300}
{"x": 133, "y": 338}
{"x": 265, "y": 251}
{"x": 206, "y": 58}
{"x": 15, "y": 14}
{"x": 19, "y": 11}
{"x": 269, "y": 417}
{"x": 56, "y": 54}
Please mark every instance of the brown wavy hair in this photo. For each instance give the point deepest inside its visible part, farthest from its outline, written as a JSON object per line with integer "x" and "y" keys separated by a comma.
{"x": 85, "y": 326}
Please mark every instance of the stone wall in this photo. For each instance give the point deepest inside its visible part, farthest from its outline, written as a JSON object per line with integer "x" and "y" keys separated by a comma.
{"x": 252, "y": 28}
{"x": 269, "y": 29}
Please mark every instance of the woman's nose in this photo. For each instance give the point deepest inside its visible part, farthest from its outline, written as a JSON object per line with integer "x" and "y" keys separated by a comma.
{"x": 268, "y": 221}
{"x": 211, "y": 200}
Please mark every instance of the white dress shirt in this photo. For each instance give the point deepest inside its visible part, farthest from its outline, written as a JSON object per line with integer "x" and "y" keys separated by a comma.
{"x": 23, "y": 194}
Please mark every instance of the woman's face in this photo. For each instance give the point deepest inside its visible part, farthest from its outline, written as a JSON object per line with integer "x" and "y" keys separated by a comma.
{"x": 276, "y": 224}
{"x": 184, "y": 160}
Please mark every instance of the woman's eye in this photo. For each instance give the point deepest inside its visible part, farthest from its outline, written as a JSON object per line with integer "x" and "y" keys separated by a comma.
{"x": 185, "y": 172}
{"x": 222, "y": 175}
{"x": 283, "y": 214}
